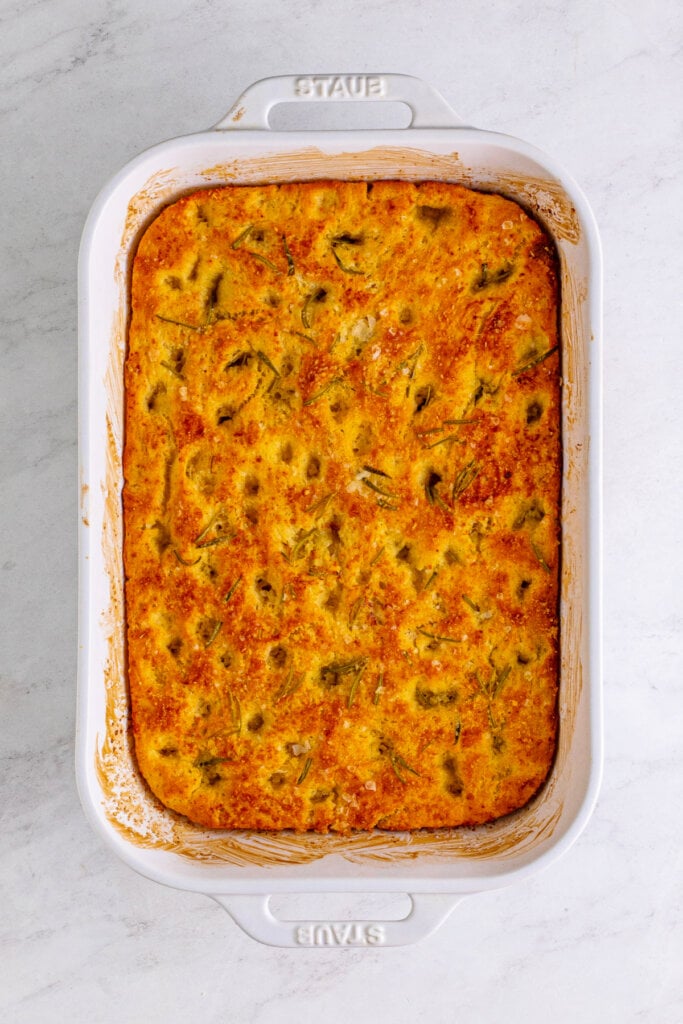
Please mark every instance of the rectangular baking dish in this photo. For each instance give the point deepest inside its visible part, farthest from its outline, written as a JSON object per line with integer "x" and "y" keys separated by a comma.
{"x": 240, "y": 869}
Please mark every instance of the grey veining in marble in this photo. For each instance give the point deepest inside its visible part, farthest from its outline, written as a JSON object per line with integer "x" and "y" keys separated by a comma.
{"x": 85, "y": 86}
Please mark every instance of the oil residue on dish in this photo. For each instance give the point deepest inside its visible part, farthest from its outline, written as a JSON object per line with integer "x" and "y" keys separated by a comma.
{"x": 129, "y": 806}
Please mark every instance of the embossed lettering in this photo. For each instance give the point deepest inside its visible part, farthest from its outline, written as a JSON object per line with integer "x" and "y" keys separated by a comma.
{"x": 324, "y": 936}
{"x": 338, "y": 933}
{"x": 304, "y": 935}
{"x": 375, "y": 935}
{"x": 337, "y": 87}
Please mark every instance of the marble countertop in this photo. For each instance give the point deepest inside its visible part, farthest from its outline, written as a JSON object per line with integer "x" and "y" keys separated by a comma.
{"x": 596, "y": 937}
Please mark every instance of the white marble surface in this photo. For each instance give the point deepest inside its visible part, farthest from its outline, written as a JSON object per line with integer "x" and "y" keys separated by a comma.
{"x": 85, "y": 86}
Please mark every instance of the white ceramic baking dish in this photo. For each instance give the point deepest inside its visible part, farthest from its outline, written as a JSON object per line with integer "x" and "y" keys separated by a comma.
{"x": 241, "y": 870}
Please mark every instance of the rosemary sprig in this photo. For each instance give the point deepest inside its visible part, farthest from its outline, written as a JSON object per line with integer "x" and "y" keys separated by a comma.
{"x": 298, "y": 548}
{"x": 400, "y": 762}
{"x": 378, "y": 490}
{"x": 241, "y": 359}
{"x": 492, "y": 688}
{"x": 266, "y": 362}
{"x": 305, "y": 770}
{"x": 536, "y": 361}
{"x": 202, "y": 533}
{"x": 321, "y": 504}
{"x": 463, "y": 478}
{"x": 500, "y": 680}
{"x": 290, "y": 685}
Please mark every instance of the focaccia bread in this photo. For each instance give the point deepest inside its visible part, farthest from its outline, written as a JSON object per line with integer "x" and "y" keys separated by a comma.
{"x": 342, "y": 482}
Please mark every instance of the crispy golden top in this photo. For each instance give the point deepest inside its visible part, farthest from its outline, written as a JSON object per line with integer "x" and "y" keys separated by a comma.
{"x": 342, "y": 474}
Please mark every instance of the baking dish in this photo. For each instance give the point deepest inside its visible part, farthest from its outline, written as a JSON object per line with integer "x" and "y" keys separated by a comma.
{"x": 241, "y": 870}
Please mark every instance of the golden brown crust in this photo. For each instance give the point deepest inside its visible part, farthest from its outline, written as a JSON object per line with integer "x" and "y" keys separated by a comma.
{"x": 341, "y": 500}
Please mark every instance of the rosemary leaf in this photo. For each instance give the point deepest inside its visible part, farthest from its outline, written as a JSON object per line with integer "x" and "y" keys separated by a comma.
{"x": 443, "y": 440}
{"x": 298, "y": 548}
{"x": 215, "y": 541}
{"x": 233, "y": 588}
{"x": 171, "y": 369}
{"x": 178, "y": 323}
{"x": 430, "y": 580}
{"x": 378, "y": 689}
{"x": 306, "y": 312}
{"x": 321, "y": 504}
{"x": 306, "y": 337}
{"x": 342, "y": 266}
{"x": 183, "y": 561}
{"x": 541, "y": 560}
{"x": 263, "y": 259}
{"x": 214, "y": 633}
{"x": 536, "y": 361}
{"x": 468, "y": 601}
{"x": 466, "y": 476}
{"x": 500, "y": 678}
{"x": 437, "y": 636}
{"x": 354, "y": 685}
{"x": 377, "y": 556}
{"x": 378, "y": 490}
{"x": 323, "y": 391}
{"x": 290, "y": 259}
{"x": 353, "y": 612}
{"x": 235, "y": 711}
{"x": 266, "y": 361}
{"x": 242, "y": 237}
{"x": 305, "y": 770}
{"x": 377, "y": 472}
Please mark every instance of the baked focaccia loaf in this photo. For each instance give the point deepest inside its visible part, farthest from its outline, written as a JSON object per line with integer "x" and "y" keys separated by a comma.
{"x": 342, "y": 482}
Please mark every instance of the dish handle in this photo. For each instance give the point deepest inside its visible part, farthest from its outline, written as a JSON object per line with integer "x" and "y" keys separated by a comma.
{"x": 252, "y": 110}
{"x": 254, "y": 916}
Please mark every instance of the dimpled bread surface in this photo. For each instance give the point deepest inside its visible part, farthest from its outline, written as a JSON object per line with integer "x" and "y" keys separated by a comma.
{"x": 342, "y": 474}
